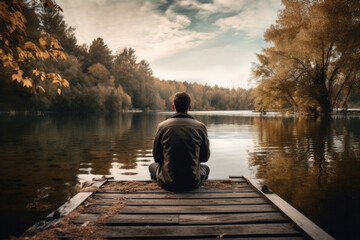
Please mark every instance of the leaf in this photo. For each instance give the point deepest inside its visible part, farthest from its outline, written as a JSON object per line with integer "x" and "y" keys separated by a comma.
{"x": 43, "y": 76}
{"x": 59, "y": 91}
{"x": 36, "y": 72}
{"x": 65, "y": 83}
{"x": 27, "y": 83}
{"x": 51, "y": 75}
{"x": 41, "y": 88}
{"x": 18, "y": 76}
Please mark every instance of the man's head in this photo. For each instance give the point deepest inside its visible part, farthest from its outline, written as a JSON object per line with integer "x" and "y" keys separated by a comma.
{"x": 181, "y": 102}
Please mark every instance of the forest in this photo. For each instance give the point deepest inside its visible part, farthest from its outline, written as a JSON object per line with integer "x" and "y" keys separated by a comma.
{"x": 44, "y": 69}
{"x": 311, "y": 65}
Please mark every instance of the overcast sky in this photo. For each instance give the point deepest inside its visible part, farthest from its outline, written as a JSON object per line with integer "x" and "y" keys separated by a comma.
{"x": 207, "y": 41}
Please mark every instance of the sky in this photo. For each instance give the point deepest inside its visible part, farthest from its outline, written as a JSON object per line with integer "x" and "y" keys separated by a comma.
{"x": 204, "y": 41}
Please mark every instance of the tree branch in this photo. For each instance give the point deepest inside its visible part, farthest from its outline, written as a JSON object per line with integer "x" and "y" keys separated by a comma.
{"x": 341, "y": 87}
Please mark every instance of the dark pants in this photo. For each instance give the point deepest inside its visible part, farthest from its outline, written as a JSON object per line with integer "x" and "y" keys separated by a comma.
{"x": 204, "y": 171}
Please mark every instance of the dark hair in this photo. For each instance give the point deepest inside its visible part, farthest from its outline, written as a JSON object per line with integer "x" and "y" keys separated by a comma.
{"x": 182, "y": 102}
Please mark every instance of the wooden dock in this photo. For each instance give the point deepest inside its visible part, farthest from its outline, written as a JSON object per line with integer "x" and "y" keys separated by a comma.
{"x": 238, "y": 209}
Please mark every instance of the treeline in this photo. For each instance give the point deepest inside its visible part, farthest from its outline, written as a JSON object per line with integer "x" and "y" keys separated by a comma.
{"x": 100, "y": 81}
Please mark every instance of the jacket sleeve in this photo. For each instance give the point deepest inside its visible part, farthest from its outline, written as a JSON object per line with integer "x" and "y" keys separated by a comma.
{"x": 205, "y": 149}
{"x": 158, "y": 148}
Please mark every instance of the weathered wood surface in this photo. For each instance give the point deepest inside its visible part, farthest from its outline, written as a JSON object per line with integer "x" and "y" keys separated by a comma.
{"x": 233, "y": 211}
{"x": 177, "y": 195}
{"x": 228, "y": 238}
{"x": 186, "y": 209}
{"x": 183, "y": 202}
{"x": 310, "y": 228}
{"x": 185, "y": 219}
{"x": 243, "y": 188}
{"x": 200, "y": 230}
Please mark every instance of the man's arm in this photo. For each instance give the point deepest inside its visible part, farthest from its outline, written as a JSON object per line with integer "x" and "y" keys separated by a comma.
{"x": 204, "y": 149}
{"x": 158, "y": 148}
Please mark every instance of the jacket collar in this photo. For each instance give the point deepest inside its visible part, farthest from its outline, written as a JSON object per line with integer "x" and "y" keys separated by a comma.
{"x": 181, "y": 115}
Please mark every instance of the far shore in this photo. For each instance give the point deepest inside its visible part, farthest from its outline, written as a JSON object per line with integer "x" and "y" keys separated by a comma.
{"x": 337, "y": 112}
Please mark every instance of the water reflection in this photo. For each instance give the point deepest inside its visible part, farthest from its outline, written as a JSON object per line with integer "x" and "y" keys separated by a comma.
{"x": 43, "y": 159}
{"x": 313, "y": 164}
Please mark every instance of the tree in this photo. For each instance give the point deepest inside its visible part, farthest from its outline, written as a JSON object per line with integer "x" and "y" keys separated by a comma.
{"x": 314, "y": 61}
{"x": 99, "y": 52}
{"x": 52, "y": 23}
{"x": 124, "y": 70}
{"x": 19, "y": 52}
{"x": 137, "y": 80}
{"x": 98, "y": 74}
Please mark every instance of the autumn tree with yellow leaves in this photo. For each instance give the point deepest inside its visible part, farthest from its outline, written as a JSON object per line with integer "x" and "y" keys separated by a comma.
{"x": 19, "y": 54}
{"x": 313, "y": 65}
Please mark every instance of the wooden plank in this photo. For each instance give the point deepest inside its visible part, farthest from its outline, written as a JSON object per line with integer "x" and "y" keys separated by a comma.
{"x": 284, "y": 237}
{"x": 245, "y": 188}
{"x": 131, "y": 219}
{"x": 296, "y": 217}
{"x": 177, "y": 195}
{"x": 199, "y": 209}
{"x": 70, "y": 205}
{"x": 99, "y": 183}
{"x": 184, "y": 219}
{"x": 242, "y": 238}
{"x": 63, "y": 210}
{"x": 183, "y": 202}
{"x": 185, "y": 209}
{"x": 143, "y": 219}
{"x": 201, "y": 231}
{"x": 192, "y": 219}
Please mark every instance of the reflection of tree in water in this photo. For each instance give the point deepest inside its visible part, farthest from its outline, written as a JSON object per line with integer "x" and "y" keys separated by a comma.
{"x": 121, "y": 141}
{"x": 41, "y": 157}
{"x": 312, "y": 163}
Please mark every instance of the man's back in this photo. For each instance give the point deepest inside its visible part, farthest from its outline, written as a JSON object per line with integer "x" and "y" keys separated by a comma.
{"x": 180, "y": 144}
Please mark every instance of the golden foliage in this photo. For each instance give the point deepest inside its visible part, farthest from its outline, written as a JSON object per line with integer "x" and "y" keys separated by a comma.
{"x": 16, "y": 54}
{"x": 313, "y": 63}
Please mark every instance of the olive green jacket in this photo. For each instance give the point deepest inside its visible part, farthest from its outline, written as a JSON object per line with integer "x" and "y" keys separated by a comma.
{"x": 180, "y": 144}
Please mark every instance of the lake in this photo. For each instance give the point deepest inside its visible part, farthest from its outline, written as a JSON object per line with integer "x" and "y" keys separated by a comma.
{"x": 312, "y": 163}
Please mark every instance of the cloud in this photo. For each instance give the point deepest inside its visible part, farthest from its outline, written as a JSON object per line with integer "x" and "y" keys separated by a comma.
{"x": 211, "y": 7}
{"x": 253, "y": 19}
{"x": 250, "y": 17}
{"x": 133, "y": 24}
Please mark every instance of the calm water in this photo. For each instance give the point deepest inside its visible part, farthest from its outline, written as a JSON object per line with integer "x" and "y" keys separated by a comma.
{"x": 314, "y": 164}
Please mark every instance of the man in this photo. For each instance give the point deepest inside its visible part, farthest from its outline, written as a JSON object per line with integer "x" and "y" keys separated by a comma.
{"x": 180, "y": 144}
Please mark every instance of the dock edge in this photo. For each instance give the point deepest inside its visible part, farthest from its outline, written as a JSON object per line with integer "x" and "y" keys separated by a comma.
{"x": 305, "y": 224}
